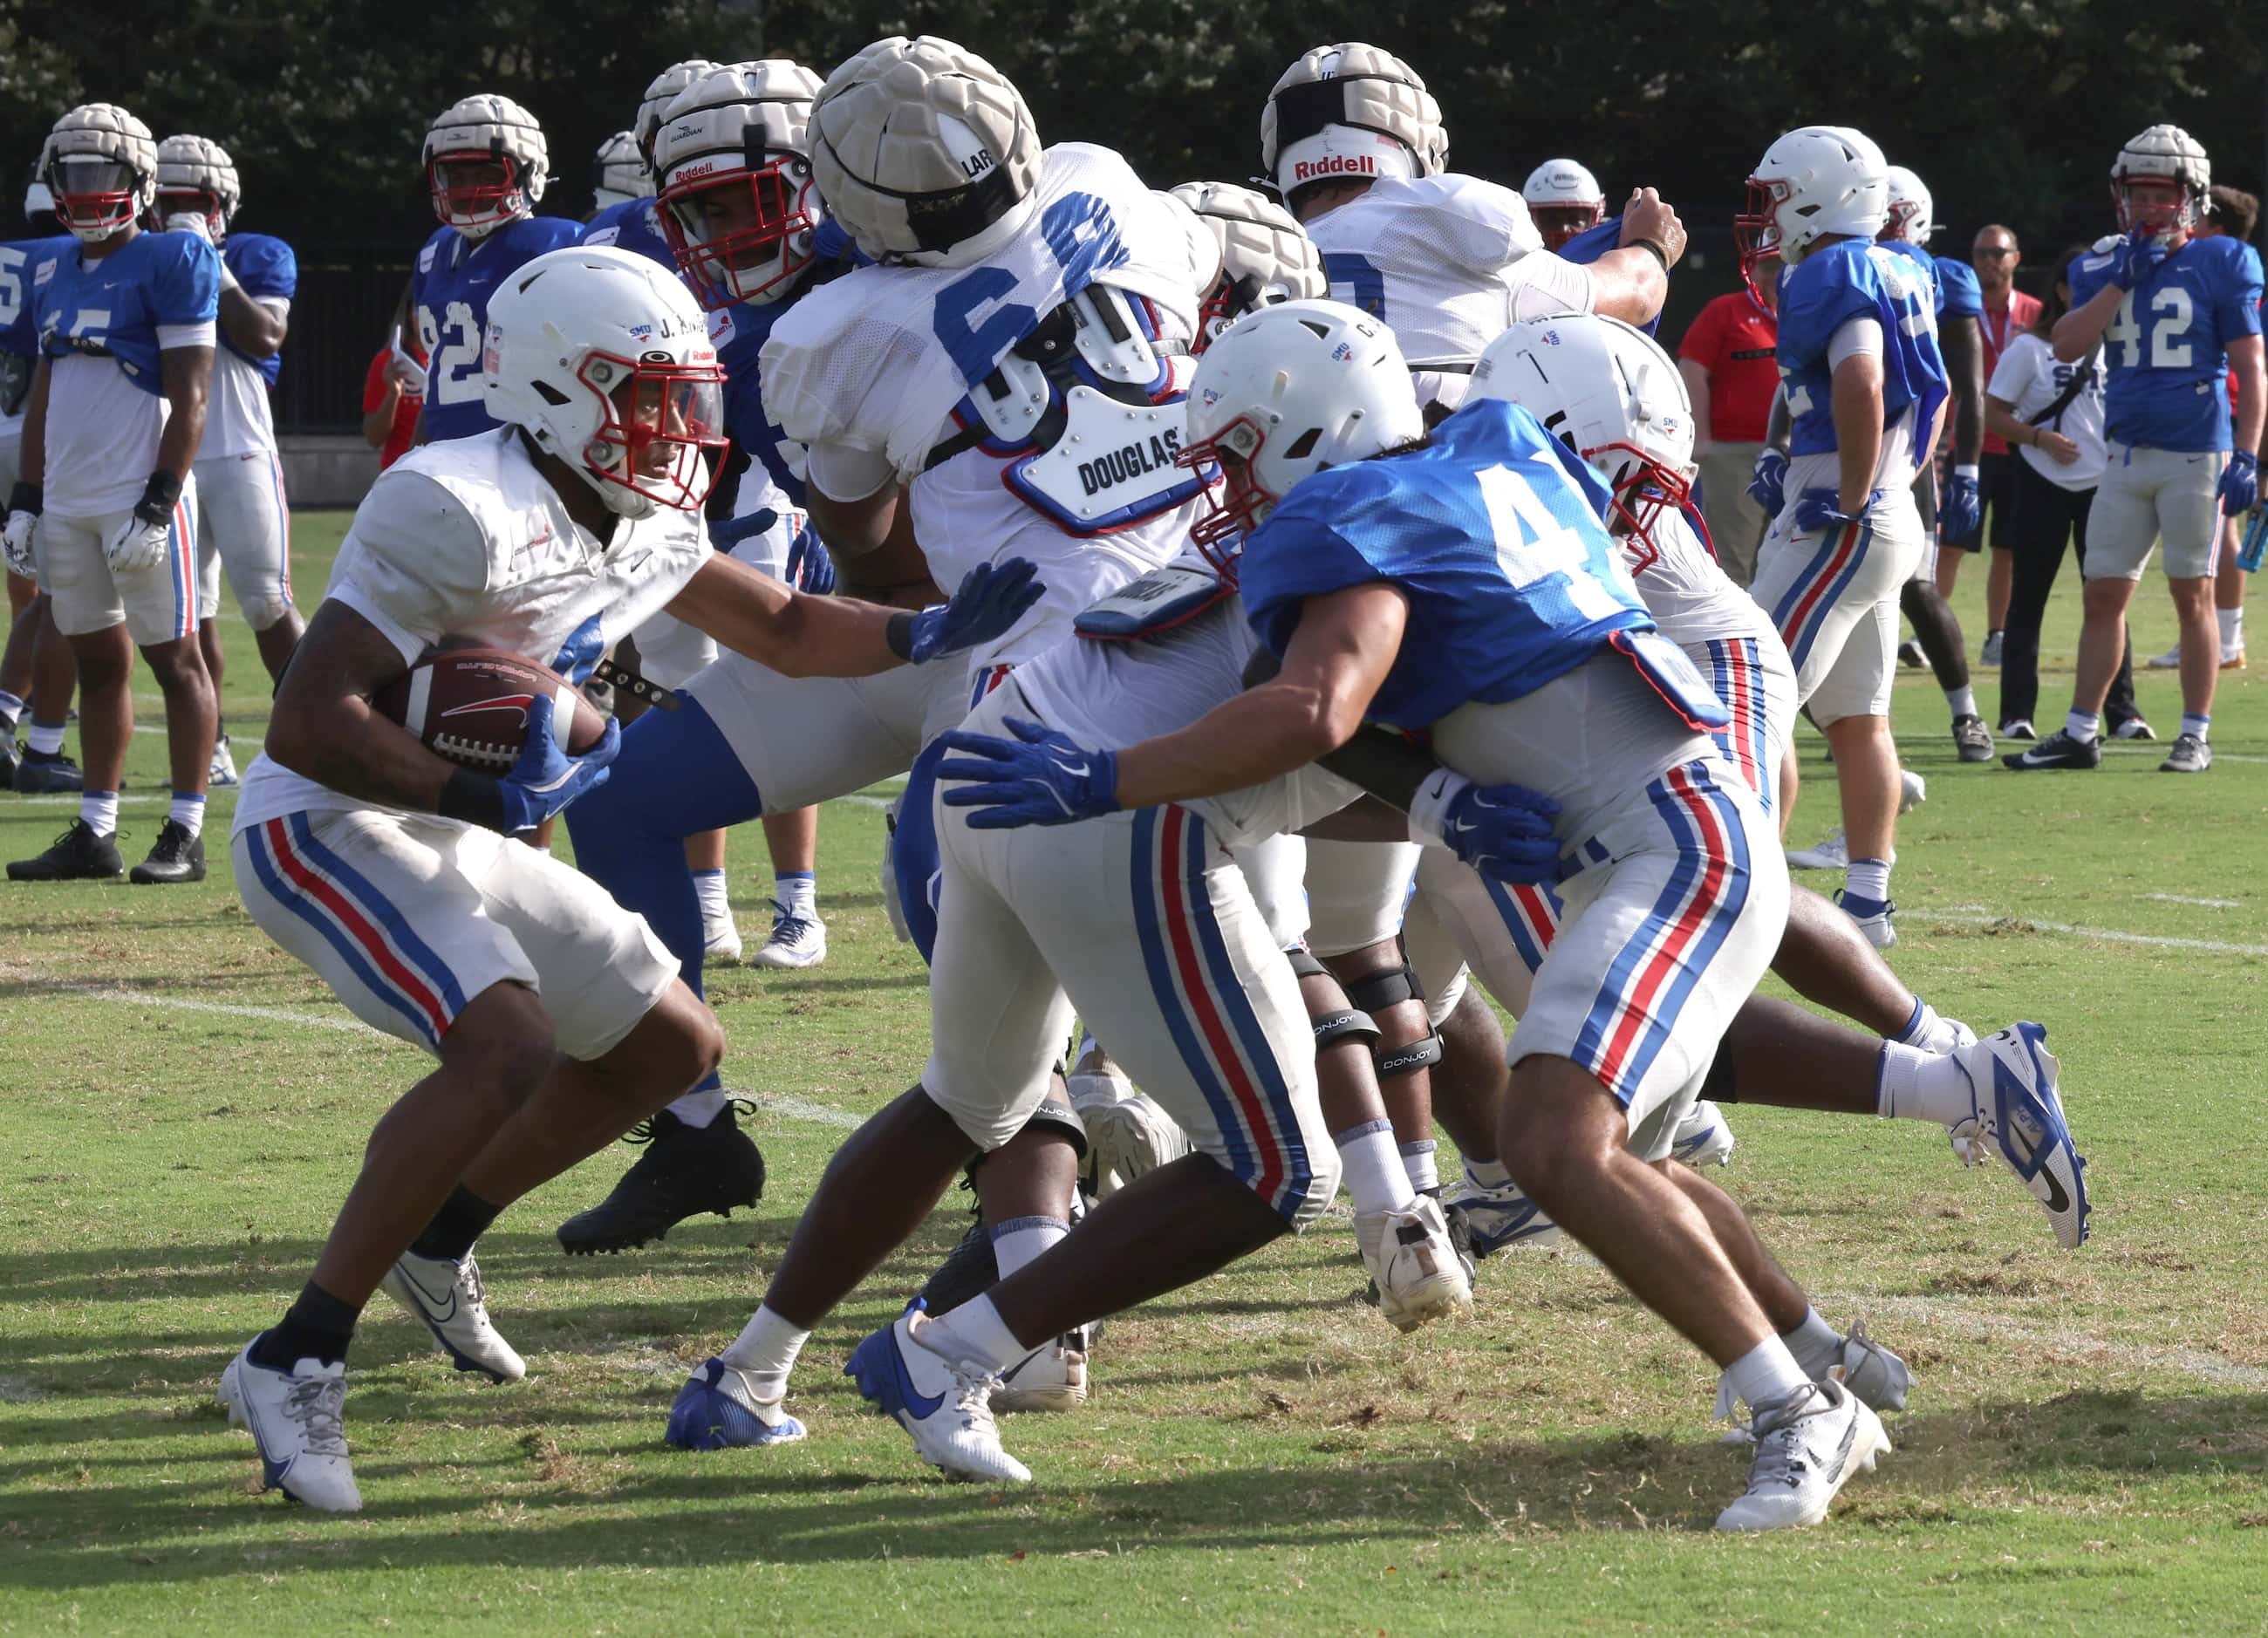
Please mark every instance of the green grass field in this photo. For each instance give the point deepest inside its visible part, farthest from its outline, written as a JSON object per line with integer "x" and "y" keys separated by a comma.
{"x": 2084, "y": 1450}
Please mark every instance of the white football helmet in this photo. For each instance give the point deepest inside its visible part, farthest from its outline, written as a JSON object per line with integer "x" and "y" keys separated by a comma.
{"x": 1284, "y": 392}
{"x": 925, "y": 152}
{"x": 1815, "y": 180}
{"x": 2164, "y": 153}
{"x": 486, "y": 164}
{"x": 663, "y": 89}
{"x": 196, "y": 177}
{"x": 100, "y": 163}
{"x": 1609, "y": 392}
{"x": 1565, "y": 199}
{"x": 1349, "y": 111}
{"x": 621, "y": 172}
{"x": 738, "y": 205}
{"x": 604, "y": 358}
{"x": 1912, "y": 215}
{"x": 1265, "y": 256}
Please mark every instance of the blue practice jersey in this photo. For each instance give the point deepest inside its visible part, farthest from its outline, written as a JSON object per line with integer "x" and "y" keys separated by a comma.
{"x": 20, "y": 265}
{"x": 449, "y": 292}
{"x": 2167, "y": 347}
{"x": 1959, "y": 295}
{"x": 634, "y": 225}
{"x": 1594, "y": 242}
{"x": 1492, "y": 532}
{"x": 113, "y": 308}
{"x": 267, "y": 270}
{"x": 737, "y": 332}
{"x": 1856, "y": 278}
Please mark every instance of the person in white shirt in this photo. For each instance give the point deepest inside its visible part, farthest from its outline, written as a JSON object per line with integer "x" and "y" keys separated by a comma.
{"x": 2052, "y": 414}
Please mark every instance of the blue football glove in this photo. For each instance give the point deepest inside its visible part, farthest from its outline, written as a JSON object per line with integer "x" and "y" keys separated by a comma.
{"x": 1767, "y": 486}
{"x": 1040, "y": 777}
{"x": 1502, "y": 830}
{"x": 992, "y": 599}
{"x": 2138, "y": 260}
{"x": 1816, "y": 511}
{"x": 546, "y": 779}
{"x": 2240, "y": 483}
{"x": 1964, "y": 506}
{"x": 726, "y": 535}
{"x": 809, "y": 568}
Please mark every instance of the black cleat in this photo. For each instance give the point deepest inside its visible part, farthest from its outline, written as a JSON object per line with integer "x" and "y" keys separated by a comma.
{"x": 1972, "y": 739}
{"x": 178, "y": 857}
{"x": 685, "y": 1171}
{"x": 9, "y": 755}
{"x": 968, "y": 1270}
{"x": 78, "y": 855}
{"x": 47, "y": 774}
{"x": 2058, "y": 750}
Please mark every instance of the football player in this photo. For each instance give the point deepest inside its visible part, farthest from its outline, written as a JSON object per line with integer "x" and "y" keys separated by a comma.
{"x": 243, "y": 523}
{"x": 2174, "y": 315}
{"x": 486, "y": 166}
{"x": 1564, "y": 199}
{"x": 622, "y": 173}
{"x": 556, "y": 1017}
{"x": 1866, "y": 388}
{"x": 105, "y": 494}
{"x": 37, "y": 672}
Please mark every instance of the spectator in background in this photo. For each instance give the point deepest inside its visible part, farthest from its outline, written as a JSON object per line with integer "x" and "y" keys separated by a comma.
{"x": 390, "y": 406}
{"x": 2008, "y": 313}
{"x": 2233, "y": 212}
{"x": 1728, "y": 360}
{"x": 2053, "y": 414}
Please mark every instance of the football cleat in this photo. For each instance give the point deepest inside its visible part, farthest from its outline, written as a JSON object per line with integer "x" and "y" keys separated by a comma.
{"x": 449, "y": 1298}
{"x": 1910, "y": 653}
{"x": 1834, "y": 854}
{"x": 297, "y": 1418}
{"x": 1870, "y": 1370}
{"x": 2231, "y": 659}
{"x": 2190, "y": 755}
{"x": 1495, "y": 1218}
{"x": 1971, "y": 738}
{"x": 2019, "y": 728}
{"x": 1913, "y": 790}
{"x": 1704, "y": 1137}
{"x": 1990, "y": 655}
{"x": 1413, "y": 1263}
{"x": 1127, "y": 1137}
{"x": 942, "y": 1400}
{"x": 78, "y": 856}
{"x": 178, "y": 856}
{"x": 1875, "y": 924}
{"x": 686, "y": 1170}
{"x": 10, "y": 756}
{"x": 797, "y": 941}
{"x": 2019, "y": 1115}
{"x": 2134, "y": 728}
{"x": 221, "y": 772}
{"x": 1051, "y": 1377}
{"x": 720, "y": 940}
{"x": 717, "y": 1410}
{"x": 48, "y": 774}
{"x": 2058, "y": 750}
{"x": 1808, "y": 1445}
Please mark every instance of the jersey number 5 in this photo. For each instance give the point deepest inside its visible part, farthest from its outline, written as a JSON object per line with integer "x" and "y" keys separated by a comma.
{"x": 455, "y": 347}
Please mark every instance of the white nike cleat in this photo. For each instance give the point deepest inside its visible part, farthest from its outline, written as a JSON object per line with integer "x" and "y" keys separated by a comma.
{"x": 1128, "y": 1136}
{"x": 1872, "y": 1373}
{"x": 1051, "y": 1377}
{"x": 221, "y": 772}
{"x": 1413, "y": 1264}
{"x": 2170, "y": 660}
{"x": 941, "y": 1399}
{"x": 1913, "y": 790}
{"x": 1704, "y": 1137}
{"x": 720, "y": 940}
{"x": 297, "y": 1418}
{"x": 449, "y": 1297}
{"x": 2019, "y": 1116}
{"x": 1495, "y": 1218}
{"x": 1808, "y": 1445}
{"x": 718, "y": 1409}
{"x": 1834, "y": 854}
{"x": 796, "y": 941}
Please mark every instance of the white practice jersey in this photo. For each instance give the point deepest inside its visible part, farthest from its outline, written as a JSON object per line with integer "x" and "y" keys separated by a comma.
{"x": 1692, "y": 599}
{"x": 465, "y": 539}
{"x": 1449, "y": 261}
{"x": 1112, "y": 695}
{"x": 239, "y": 420}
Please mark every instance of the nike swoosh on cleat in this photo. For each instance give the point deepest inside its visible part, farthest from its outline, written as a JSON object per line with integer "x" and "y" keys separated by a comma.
{"x": 2055, "y": 1199}
{"x": 922, "y": 1407}
{"x": 430, "y": 1303}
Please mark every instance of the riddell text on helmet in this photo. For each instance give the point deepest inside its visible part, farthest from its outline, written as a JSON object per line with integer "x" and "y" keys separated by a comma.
{"x": 1334, "y": 164}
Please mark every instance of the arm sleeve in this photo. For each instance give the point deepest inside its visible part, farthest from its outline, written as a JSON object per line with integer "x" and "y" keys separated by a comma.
{"x": 1542, "y": 284}
{"x": 1853, "y": 337}
{"x": 414, "y": 556}
{"x": 171, "y": 336}
{"x": 1703, "y": 342}
{"x": 185, "y": 289}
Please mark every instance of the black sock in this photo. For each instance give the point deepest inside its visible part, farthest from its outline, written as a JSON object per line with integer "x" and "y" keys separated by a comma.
{"x": 463, "y": 1218}
{"x": 317, "y": 1326}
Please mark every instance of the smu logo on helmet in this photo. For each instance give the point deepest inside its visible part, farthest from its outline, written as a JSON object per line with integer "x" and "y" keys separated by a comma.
{"x": 1344, "y": 351}
{"x": 1334, "y": 164}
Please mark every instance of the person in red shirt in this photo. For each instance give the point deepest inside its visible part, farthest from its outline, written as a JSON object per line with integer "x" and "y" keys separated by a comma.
{"x": 2008, "y": 314}
{"x": 391, "y": 398}
{"x": 1728, "y": 361}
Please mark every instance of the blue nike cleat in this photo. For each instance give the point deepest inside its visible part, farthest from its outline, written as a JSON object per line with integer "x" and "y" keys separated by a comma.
{"x": 717, "y": 1410}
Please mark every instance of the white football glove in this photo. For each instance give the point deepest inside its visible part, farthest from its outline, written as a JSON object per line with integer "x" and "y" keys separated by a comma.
{"x": 16, "y": 544}
{"x": 404, "y": 370}
{"x": 139, "y": 543}
{"x": 190, "y": 222}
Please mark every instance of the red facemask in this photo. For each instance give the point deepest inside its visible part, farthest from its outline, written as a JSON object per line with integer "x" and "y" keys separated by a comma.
{"x": 770, "y": 249}
{"x": 660, "y": 419}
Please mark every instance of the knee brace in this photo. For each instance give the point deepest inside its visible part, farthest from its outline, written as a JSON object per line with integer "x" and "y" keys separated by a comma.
{"x": 1058, "y": 1118}
{"x": 1350, "y": 1023}
{"x": 1390, "y": 987}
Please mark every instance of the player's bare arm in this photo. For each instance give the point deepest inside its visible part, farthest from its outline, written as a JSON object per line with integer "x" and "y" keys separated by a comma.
{"x": 2083, "y": 326}
{"x": 1632, "y": 282}
{"x": 1858, "y": 411}
{"x": 2245, "y": 356}
{"x": 324, "y": 727}
{"x": 1964, "y": 366}
{"x": 798, "y": 635}
{"x": 252, "y": 327}
{"x": 187, "y": 373}
{"x": 876, "y": 556}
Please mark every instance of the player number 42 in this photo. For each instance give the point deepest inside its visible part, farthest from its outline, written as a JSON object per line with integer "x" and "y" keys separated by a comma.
{"x": 2170, "y": 315}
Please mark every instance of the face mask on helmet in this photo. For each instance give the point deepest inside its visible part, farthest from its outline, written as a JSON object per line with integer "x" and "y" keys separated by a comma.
{"x": 741, "y": 233}
{"x": 1756, "y": 231}
{"x": 1559, "y": 223}
{"x": 476, "y": 193}
{"x": 94, "y": 196}
{"x": 1233, "y": 502}
{"x": 660, "y": 417}
{"x": 1231, "y": 300}
{"x": 2150, "y": 206}
{"x": 1641, "y": 488}
{"x": 193, "y": 201}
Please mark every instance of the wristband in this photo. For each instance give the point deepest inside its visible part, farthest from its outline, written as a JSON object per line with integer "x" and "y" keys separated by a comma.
{"x": 899, "y": 634}
{"x": 159, "y": 496}
{"x": 473, "y": 798}
{"x": 1659, "y": 254}
{"x": 1964, "y": 472}
{"x": 27, "y": 498}
{"x": 1429, "y": 806}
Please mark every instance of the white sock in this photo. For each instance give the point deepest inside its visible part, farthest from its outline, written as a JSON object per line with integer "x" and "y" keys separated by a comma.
{"x": 2082, "y": 726}
{"x": 1962, "y": 700}
{"x": 1371, "y": 1168}
{"x": 188, "y": 812}
{"x": 709, "y": 887}
{"x": 1418, "y": 1161}
{"x": 977, "y": 1331}
{"x": 766, "y": 1349}
{"x": 1766, "y": 1373}
{"x": 1868, "y": 878}
{"x": 2232, "y": 632}
{"x": 99, "y": 809}
{"x": 1022, "y": 1240}
{"x": 1816, "y": 1344}
{"x": 698, "y": 1109}
{"x": 2193, "y": 723}
{"x": 1487, "y": 1174}
{"x": 1911, "y": 1084}
{"x": 1928, "y": 1028}
{"x": 47, "y": 738}
{"x": 797, "y": 893}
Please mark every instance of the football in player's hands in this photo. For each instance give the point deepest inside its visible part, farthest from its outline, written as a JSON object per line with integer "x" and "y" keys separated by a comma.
{"x": 469, "y": 706}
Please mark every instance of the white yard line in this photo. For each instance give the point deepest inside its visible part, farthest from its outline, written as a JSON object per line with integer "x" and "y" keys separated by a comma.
{"x": 2210, "y": 904}
{"x": 1986, "y": 918}
{"x": 1966, "y": 1318}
